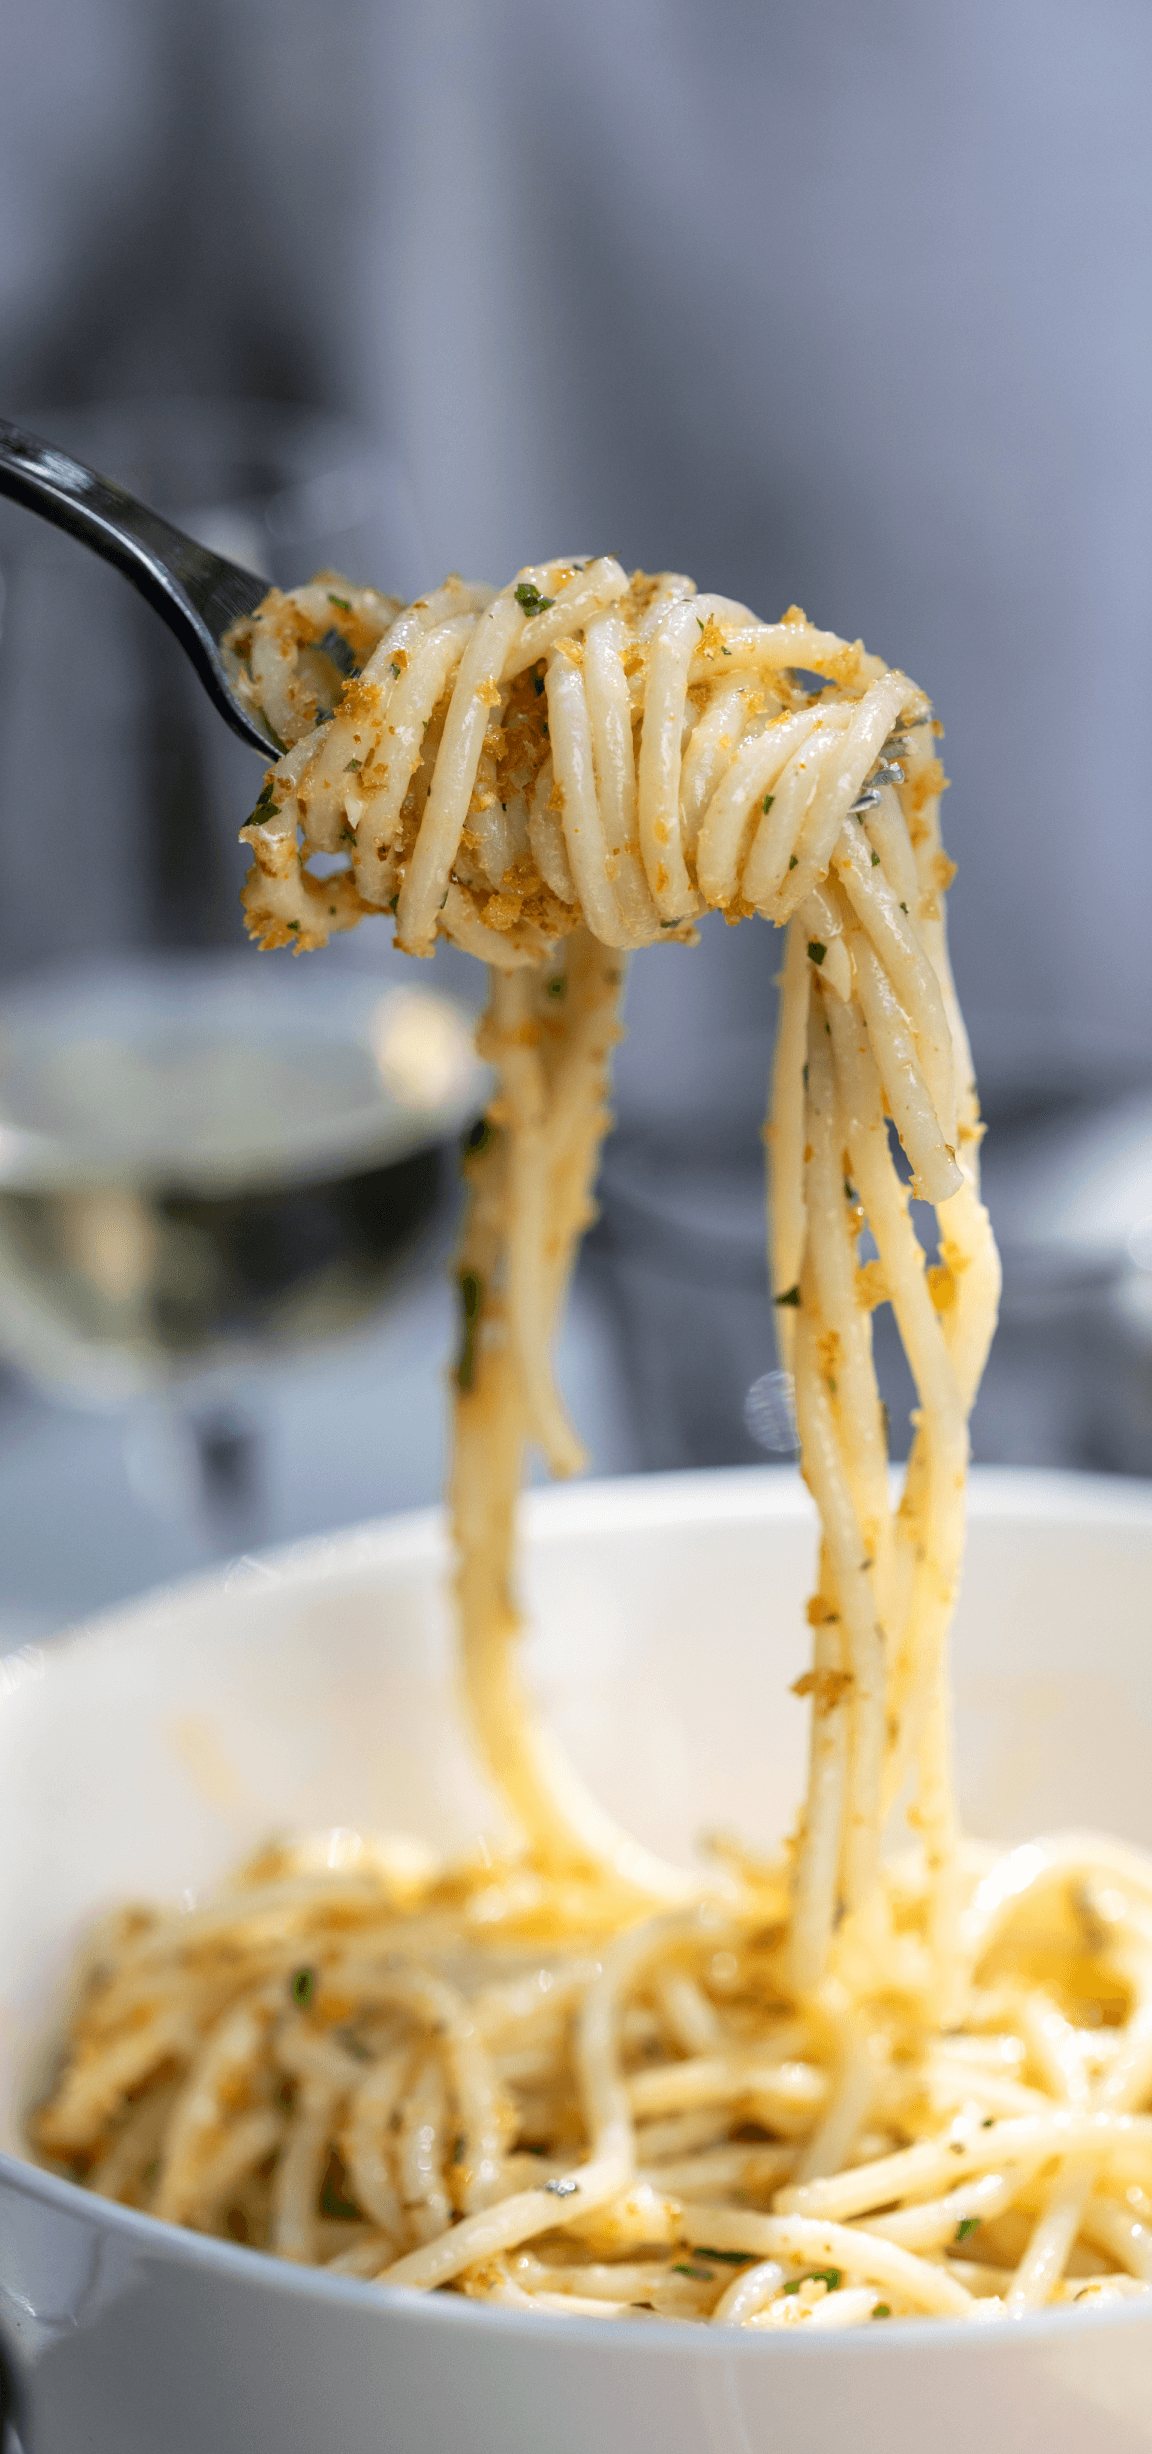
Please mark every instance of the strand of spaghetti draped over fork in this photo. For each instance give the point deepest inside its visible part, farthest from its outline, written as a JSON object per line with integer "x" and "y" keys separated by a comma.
{"x": 552, "y": 774}
{"x": 816, "y": 2089}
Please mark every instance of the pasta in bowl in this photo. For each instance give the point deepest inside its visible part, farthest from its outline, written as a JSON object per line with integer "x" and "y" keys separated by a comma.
{"x": 148, "y": 1755}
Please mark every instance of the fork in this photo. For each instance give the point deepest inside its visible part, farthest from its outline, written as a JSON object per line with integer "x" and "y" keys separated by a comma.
{"x": 197, "y": 593}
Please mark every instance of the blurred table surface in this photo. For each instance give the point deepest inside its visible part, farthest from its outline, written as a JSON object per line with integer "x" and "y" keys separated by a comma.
{"x": 358, "y": 1430}
{"x": 345, "y": 1433}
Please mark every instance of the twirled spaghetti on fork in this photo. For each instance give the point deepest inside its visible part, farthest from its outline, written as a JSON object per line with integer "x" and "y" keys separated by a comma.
{"x": 817, "y": 2091}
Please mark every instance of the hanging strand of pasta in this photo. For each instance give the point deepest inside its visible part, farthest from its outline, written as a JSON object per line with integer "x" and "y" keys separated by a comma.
{"x": 838, "y": 1413}
{"x": 581, "y": 762}
{"x": 548, "y": 1034}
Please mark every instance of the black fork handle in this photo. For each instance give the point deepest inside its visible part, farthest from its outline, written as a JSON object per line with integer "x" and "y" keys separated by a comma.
{"x": 197, "y": 593}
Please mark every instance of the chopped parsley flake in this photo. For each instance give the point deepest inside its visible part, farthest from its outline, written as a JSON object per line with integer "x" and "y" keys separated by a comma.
{"x": 353, "y": 767}
{"x": 537, "y": 683}
{"x": 967, "y": 2225}
{"x": 881, "y": 2310}
{"x": 792, "y": 861}
{"x": 903, "y": 907}
{"x": 556, "y": 986}
{"x": 792, "y": 1296}
{"x": 875, "y": 860}
{"x": 344, "y": 602}
{"x": 530, "y": 598}
{"x": 472, "y": 1304}
{"x": 274, "y": 736}
{"x": 816, "y": 952}
{"x": 302, "y": 1987}
{"x": 767, "y": 802}
{"x": 395, "y": 672}
{"x": 700, "y": 2275}
{"x": 818, "y": 2275}
{"x": 728, "y": 2258}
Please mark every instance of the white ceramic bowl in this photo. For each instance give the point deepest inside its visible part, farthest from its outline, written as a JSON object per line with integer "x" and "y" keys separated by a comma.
{"x": 315, "y": 1688}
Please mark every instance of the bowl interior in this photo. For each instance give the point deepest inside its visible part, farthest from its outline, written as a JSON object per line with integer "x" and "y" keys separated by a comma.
{"x": 143, "y": 1755}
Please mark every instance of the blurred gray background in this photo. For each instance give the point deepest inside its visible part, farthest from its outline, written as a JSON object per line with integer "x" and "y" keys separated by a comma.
{"x": 844, "y": 306}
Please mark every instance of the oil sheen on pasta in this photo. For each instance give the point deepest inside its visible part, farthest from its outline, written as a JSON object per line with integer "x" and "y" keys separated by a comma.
{"x": 825, "y": 2090}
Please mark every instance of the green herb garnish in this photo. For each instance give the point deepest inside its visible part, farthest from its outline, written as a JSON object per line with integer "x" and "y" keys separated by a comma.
{"x": 903, "y": 907}
{"x": 530, "y": 598}
{"x": 395, "y": 673}
{"x": 967, "y": 2225}
{"x": 294, "y": 924}
{"x": 344, "y": 602}
{"x": 273, "y": 735}
{"x": 556, "y": 986}
{"x": 537, "y": 683}
{"x": 793, "y": 863}
{"x": 302, "y": 1987}
{"x": 819, "y": 2275}
{"x": 849, "y": 1191}
{"x": 728, "y": 2258}
{"x": 334, "y": 2200}
{"x": 881, "y": 2310}
{"x": 791, "y": 1297}
{"x": 767, "y": 802}
{"x": 478, "y": 1137}
{"x": 875, "y": 860}
{"x": 472, "y": 1304}
{"x": 459, "y": 2145}
{"x": 816, "y": 952}
{"x": 700, "y": 2275}
{"x": 353, "y": 767}
{"x": 394, "y": 902}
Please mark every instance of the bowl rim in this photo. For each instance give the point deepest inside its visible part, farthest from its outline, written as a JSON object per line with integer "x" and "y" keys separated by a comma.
{"x": 417, "y": 1537}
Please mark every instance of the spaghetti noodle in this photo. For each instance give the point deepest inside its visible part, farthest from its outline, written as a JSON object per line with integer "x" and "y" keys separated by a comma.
{"x": 823, "y": 2091}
